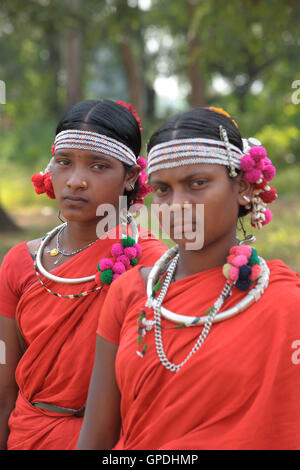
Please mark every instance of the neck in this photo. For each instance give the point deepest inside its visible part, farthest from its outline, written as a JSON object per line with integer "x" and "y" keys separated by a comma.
{"x": 77, "y": 234}
{"x": 210, "y": 256}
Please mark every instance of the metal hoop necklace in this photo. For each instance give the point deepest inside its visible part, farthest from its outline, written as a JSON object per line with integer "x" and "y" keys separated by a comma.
{"x": 52, "y": 233}
{"x": 211, "y": 315}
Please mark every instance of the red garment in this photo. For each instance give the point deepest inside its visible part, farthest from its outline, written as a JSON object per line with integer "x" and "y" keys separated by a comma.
{"x": 240, "y": 390}
{"x": 60, "y": 338}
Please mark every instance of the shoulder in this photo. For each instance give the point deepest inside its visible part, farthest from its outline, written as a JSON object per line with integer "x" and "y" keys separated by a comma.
{"x": 284, "y": 286}
{"x": 129, "y": 287}
{"x": 280, "y": 273}
{"x": 33, "y": 245}
{"x": 152, "y": 248}
{"x": 15, "y": 252}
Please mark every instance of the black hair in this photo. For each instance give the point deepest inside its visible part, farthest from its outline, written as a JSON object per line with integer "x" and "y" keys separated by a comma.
{"x": 110, "y": 119}
{"x": 198, "y": 122}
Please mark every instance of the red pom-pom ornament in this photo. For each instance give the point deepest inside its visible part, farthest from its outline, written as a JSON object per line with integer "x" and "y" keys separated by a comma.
{"x": 132, "y": 110}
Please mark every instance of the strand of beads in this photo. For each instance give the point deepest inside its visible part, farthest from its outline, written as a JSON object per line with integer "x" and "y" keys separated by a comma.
{"x": 66, "y": 296}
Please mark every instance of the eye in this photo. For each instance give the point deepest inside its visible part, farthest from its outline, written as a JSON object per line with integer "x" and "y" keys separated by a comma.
{"x": 161, "y": 190}
{"x": 63, "y": 162}
{"x": 99, "y": 166}
{"x": 198, "y": 183}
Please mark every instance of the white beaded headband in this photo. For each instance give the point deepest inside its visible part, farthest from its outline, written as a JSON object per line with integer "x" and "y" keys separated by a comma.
{"x": 181, "y": 152}
{"x": 86, "y": 140}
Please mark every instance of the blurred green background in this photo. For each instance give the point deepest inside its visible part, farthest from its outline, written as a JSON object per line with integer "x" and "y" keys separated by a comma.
{"x": 163, "y": 56}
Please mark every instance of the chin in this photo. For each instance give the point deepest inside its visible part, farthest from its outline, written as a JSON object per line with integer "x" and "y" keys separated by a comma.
{"x": 77, "y": 216}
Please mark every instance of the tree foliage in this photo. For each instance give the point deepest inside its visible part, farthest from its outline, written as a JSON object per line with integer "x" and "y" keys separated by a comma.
{"x": 242, "y": 55}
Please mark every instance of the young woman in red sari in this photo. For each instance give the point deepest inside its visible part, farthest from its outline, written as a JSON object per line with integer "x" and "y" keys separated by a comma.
{"x": 200, "y": 351}
{"x": 52, "y": 290}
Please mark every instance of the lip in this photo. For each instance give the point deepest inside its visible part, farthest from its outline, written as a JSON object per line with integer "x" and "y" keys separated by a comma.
{"x": 74, "y": 200}
{"x": 186, "y": 226}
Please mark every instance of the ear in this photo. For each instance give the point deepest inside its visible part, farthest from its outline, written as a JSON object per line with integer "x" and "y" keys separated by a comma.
{"x": 245, "y": 191}
{"x": 131, "y": 176}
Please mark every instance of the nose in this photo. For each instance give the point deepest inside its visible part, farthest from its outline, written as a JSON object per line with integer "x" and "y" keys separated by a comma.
{"x": 178, "y": 200}
{"x": 77, "y": 180}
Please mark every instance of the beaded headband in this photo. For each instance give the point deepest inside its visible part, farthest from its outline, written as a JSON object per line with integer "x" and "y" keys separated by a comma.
{"x": 86, "y": 140}
{"x": 188, "y": 151}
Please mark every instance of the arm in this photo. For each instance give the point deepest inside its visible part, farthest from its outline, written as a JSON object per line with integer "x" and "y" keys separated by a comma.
{"x": 9, "y": 358}
{"x": 102, "y": 419}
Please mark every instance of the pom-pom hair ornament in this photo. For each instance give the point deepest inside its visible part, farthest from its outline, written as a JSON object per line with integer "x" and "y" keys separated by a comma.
{"x": 259, "y": 171}
{"x": 42, "y": 183}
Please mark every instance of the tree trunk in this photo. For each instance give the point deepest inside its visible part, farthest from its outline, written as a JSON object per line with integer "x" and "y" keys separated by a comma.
{"x": 132, "y": 73}
{"x": 6, "y": 223}
{"x": 195, "y": 71}
{"x": 73, "y": 57}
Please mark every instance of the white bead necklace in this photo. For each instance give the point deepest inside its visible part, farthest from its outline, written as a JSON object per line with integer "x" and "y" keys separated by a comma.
{"x": 64, "y": 280}
{"x": 207, "y": 321}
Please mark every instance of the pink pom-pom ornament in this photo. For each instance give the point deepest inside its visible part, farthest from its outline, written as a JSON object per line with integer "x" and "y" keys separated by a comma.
{"x": 105, "y": 263}
{"x": 130, "y": 252}
{"x": 239, "y": 260}
{"x": 244, "y": 250}
{"x": 118, "y": 268}
{"x": 124, "y": 260}
{"x": 269, "y": 172}
{"x": 268, "y": 217}
{"x": 142, "y": 162}
{"x": 138, "y": 249}
{"x": 256, "y": 271}
{"x": 258, "y": 152}
{"x": 253, "y": 175}
{"x": 117, "y": 250}
{"x": 234, "y": 273}
{"x": 247, "y": 163}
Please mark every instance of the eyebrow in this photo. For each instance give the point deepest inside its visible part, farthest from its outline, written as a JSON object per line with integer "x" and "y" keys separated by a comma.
{"x": 91, "y": 156}
{"x": 187, "y": 177}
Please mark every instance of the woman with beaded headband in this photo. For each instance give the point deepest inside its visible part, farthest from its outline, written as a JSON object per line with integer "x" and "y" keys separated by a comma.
{"x": 201, "y": 349}
{"x": 52, "y": 290}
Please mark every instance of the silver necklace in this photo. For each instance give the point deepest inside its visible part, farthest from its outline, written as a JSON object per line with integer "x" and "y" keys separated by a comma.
{"x": 62, "y": 252}
{"x": 50, "y": 235}
{"x": 205, "y": 331}
{"x": 207, "y": 320}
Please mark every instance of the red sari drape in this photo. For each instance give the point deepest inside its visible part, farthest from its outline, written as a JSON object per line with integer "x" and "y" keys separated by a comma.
{"x": 240, "y": 390}
{"x": 60, "y": 335}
